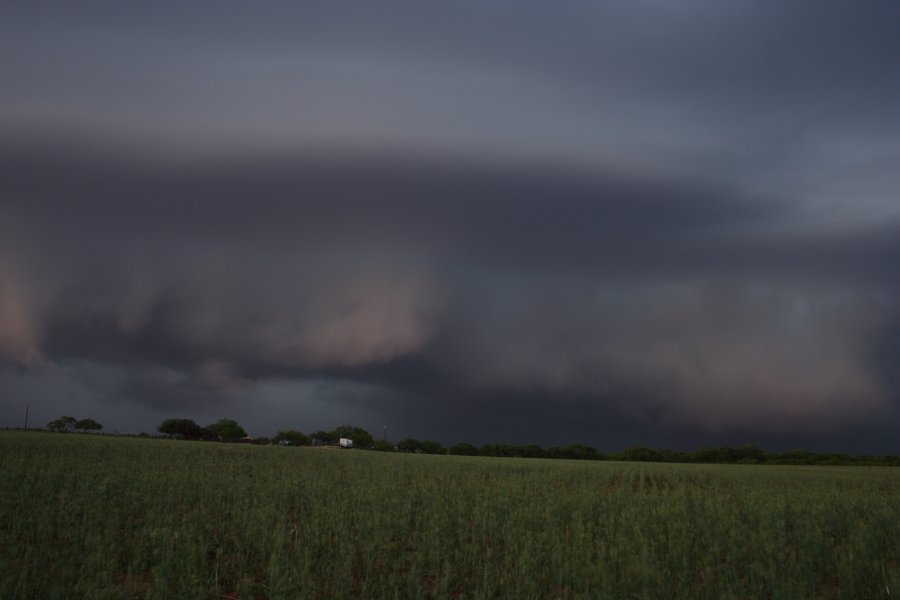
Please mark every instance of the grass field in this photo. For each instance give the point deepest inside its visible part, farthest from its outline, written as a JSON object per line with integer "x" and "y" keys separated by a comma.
{"x": 86, "y": 516}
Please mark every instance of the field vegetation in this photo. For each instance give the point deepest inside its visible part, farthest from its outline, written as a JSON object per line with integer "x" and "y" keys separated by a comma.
{"x": 91, "y": 516}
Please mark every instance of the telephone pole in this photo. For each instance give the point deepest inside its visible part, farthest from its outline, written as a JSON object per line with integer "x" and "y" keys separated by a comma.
{"x": 26, "y": 417}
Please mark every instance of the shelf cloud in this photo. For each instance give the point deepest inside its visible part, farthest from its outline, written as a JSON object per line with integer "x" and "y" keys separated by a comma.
{"x": 614, "y": 224}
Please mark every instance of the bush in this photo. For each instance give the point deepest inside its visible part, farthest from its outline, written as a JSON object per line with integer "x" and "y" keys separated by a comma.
{"x": 291, "y": 438}
{"x": 86, "y": 425}
{"x": 183, "y": 427}
{"x": 384, "y": 446}
{"x": 226, "y": 430}
{"x": 463, "y": 450}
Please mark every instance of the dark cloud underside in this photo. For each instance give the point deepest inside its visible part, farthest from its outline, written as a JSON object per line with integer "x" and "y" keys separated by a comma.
{"x": 618, "y": 222}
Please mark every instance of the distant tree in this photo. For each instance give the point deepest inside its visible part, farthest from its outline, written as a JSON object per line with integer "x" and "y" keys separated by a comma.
{"x": 844, "y": 459}
{"x": 86, "y": 425}
{"x": 62, "y": 425}
{"x": 227, "y": 430}
{"x": 384, "y": 446}
{"x": 325, "y": 437}
{"x": 640, "y": 453}
{"x": 490, "y": 450}
{"x": 431, "y": 447}
{"x": 716, "y": 455}
{"x": 261, "y": 441}
{"x": 463, "y": 450}
{"x": 749, "y": 454}
{"x": 182, "y": 427}
{"x": 409, "y": 445}
{"x": 56, "y": 426}
{"x": 674, "y": 457}
{"x": 580, "y": 452}
{"x": 532, "y": 451}
{"x": 805, "y": 457}
{"x": 361, "y": 438}
{"x": 499, "y": 450}
{"x": 555, "y": 452}
{"x": 290, "y": 437}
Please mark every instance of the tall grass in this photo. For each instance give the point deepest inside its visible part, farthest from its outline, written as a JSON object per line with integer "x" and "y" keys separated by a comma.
{"x": 85, "y": 516}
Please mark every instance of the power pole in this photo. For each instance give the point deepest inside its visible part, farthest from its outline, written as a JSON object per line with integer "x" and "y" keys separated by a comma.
{"x": 385, "y": 433}
{"x": 26, "y": 417}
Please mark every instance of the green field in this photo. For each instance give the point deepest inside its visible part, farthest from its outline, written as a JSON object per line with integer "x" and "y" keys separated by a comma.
{"x": 89, "y": 516}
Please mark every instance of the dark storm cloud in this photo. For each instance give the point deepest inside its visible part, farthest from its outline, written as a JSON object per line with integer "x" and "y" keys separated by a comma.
{"x": 308, "y": 200}
{"x": 632, "y": 217}
{"x": 505, "y": 214}
{"x": 493, "y": 278}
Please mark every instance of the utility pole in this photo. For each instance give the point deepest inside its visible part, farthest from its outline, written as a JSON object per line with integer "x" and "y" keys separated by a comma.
{"x": 385, "y": 433}
{"x": 26, "y": 417}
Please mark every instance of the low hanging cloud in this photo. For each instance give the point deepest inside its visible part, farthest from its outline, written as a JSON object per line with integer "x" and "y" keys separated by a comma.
{"x": 18, "y": 338}
{"x": 717, "y": 357}
{"x": 478, "y": 219}
{"x": 221, "y": 324}
{"x": 664, "y": 301}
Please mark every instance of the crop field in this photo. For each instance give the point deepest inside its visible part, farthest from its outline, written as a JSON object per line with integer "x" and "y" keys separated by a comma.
{"x": 89, "y": 516}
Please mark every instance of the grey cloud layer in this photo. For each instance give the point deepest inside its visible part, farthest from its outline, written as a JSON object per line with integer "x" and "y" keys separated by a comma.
{"x": 502, "y": 214}
{"x": 483, "y": 279}
{"x": 671, "y": 216}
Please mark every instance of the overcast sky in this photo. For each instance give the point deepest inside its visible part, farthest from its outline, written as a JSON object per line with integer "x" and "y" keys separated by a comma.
{"x": 673, "y": 224}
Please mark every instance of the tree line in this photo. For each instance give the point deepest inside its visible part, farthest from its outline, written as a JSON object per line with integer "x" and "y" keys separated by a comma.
{"x": 65, "y": 424}
{"x": 749, "y": 454}
{"x": 229, "y": 431}
{"x": 223, "y": 430}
